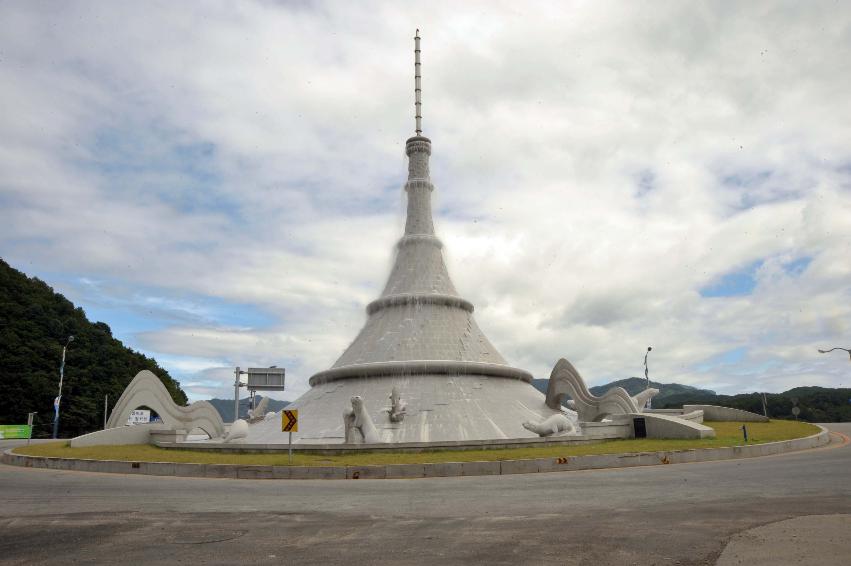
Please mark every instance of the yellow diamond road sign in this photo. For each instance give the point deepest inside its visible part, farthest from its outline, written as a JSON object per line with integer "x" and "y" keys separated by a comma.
{"x": 289, "y": 420}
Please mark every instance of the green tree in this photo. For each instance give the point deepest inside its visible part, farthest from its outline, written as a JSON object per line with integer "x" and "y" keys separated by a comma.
{"x": 35, "y": 322}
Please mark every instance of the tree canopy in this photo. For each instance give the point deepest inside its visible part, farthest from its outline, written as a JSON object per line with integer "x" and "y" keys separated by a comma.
{"x": 35, "y": 323}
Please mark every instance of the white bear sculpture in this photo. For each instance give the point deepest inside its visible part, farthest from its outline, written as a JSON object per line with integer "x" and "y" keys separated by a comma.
{"x": 397, "y": 407}
{"x": 554, "y": 425}
{"x": 238, "y": 431}
{"x": 358, "y": 424}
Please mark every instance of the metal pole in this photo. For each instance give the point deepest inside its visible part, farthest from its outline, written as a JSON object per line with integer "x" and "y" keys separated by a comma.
{"x": 291, "y": 449}
{"x": 832, "y": 349}
{"x": 418, "y": 85}
{"x": 236, "y": 394}
{"x": 647, "y": 376}
{"x": 59, "y": 397}
{"x": 30, "y": 418}
{"x": 105, "y": 409}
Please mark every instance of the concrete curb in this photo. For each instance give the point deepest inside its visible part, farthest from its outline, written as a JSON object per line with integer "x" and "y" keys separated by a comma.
{"x": 409, "y": 471}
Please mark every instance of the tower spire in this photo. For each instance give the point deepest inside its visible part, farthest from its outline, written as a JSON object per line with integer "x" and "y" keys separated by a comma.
{"x": 418, "y": 103}
{"x": 420, "y": 325}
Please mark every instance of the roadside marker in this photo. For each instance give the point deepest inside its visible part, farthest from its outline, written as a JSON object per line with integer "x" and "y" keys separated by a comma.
{"x": 289, "y": 423}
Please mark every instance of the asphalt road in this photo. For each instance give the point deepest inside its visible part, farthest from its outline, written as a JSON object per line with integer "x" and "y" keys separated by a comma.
{"x": 665, "y": 515}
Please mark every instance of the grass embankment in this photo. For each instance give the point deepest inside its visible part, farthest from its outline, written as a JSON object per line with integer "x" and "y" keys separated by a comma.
{"x": 727, "y": 434}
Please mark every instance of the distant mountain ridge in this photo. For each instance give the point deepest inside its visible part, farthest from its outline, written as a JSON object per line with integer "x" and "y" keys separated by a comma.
{"x": 816, "y": 404}
{"x": 635, "y": 385}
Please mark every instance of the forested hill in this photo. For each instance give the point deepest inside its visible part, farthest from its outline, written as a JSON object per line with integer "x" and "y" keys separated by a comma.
{"x": 634, "y": 385}
{"x": 35, "y": 322}
{"x": 816, "y": 404}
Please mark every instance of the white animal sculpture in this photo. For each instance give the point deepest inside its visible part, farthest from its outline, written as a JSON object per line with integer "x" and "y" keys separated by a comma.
{"x": 358, "y": 424}
{"x": 554, "y": 425}
{"x": 259, "y": 412}
{"x": 643, "y": 396}
{"x": 238, "y": 431}
{"x": 397, "y": 407}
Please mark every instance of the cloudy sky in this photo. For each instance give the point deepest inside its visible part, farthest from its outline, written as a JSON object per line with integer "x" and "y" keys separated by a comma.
{"x": 221, "y": 182}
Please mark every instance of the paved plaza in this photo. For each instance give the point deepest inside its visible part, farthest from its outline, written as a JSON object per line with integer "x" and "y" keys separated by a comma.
{"x": 665, "y": 515}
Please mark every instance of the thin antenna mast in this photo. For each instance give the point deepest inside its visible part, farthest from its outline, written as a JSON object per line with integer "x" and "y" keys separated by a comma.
{"x": 418, "y": 103}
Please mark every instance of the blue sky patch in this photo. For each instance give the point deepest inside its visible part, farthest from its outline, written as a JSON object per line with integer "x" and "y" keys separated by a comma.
{"x": 797, "y": 267}
{"x": 130, "y": 311}
{"x": 727, "y": 358}
{"x": 734, "y": 284}
{"x": 646, "y": 182}
{"x": 746, "y": 179}
{"x": 154, "y": 160}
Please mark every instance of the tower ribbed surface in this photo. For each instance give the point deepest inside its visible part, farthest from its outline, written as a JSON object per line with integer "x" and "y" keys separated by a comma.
{"x": 420, "y": 332}
{"x": 419, "y": 316}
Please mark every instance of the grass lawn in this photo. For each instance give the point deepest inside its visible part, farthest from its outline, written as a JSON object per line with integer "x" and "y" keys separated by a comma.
{"x": 727, "y": 434}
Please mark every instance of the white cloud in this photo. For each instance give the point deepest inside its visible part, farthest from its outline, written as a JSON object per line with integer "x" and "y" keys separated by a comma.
{"x": 596, "y": 166}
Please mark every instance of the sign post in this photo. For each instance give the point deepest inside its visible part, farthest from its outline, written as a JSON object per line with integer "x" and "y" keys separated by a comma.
{"x": 30, "y": 418}
{"x": 289, "y": 423}
{"x": 236, "y": 385}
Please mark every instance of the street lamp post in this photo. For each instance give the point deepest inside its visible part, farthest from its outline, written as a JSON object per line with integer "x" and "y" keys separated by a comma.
{"x": 832, "y": 349}
{"x": 59, "y": 397}
{"x": 647, "y": 376}
{"x": 236, "y": 385}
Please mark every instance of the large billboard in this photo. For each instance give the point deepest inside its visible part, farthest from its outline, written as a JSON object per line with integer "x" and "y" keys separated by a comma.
{"x": 265, "y": 379}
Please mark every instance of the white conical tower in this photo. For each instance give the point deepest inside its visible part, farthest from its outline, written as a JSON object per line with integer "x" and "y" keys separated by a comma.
{"x": 419, "y": 315}
{"x": 421, "y": 339}
{"x": 420, "y": 322}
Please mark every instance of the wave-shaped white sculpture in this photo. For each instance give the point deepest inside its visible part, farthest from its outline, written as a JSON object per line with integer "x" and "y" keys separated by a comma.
{"x": 147, "y": 390}
{"x": 565, "y": 380}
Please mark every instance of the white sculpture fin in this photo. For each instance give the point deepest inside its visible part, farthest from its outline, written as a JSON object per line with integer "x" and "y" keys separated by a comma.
{"x": 565, "y": 380}
{"x": 147, "y": 390}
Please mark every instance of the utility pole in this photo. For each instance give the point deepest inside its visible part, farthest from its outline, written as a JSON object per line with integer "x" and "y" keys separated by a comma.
{"x": 105, "y": 409}
{"x": 59, "y": 397}
{"x": 647, "y": 376}
{"x": 30, "y": 419}
{"x": 236, "y": 385}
